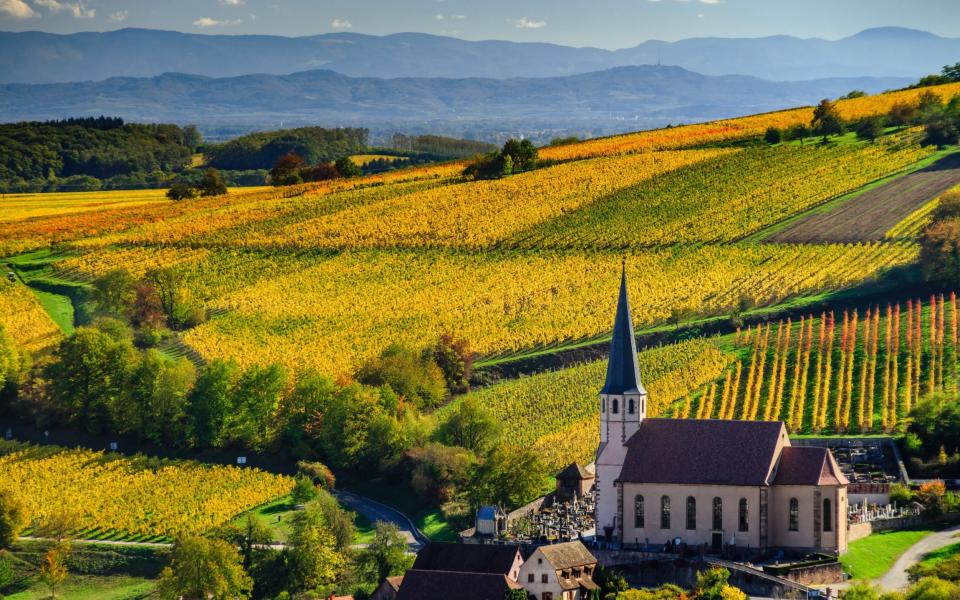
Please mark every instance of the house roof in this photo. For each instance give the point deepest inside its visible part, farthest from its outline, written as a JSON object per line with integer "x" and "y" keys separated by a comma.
{"x": 466, "y": 558}
{"x": 702, "y": 451}
{"x": 444, "y": 585}
{"x": 567, "y": 555}
{"x": 575, "y": 471}
{"x": 808, "y": 465}
{"x": 488, "y": 512}
{"x": 623, "y": 375}
{"x": 394, "y": 582}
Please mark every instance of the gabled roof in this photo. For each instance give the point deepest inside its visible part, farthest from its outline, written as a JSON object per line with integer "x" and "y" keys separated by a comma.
{"x": 808, "y": 465}
{"x": 445, "y": 585}
{"x": 466, "y": 558}
{"x": 702, "y": 451}
{"x": 488, "y": 512}
{"x": 623, "y": 375}
{"x": 575, "y": 471}
{"x": 395, "y": 582}
{"x": 567, "y": 555}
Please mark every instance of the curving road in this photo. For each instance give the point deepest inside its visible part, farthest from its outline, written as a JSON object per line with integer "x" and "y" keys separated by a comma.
{"x": 896, "y": 577}
{"x": 375, "y": 511}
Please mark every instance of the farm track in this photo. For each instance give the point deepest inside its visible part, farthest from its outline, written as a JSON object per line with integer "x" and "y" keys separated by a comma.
{"x": 870, "y": 215}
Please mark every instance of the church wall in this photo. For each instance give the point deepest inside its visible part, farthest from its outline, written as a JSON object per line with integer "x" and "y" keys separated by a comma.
{"x": 704, "y": 494}
{"x": 810, "y": 519}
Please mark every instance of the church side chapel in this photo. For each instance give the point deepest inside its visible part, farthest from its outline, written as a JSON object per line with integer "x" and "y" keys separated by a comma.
{"x": 709, "y": 483}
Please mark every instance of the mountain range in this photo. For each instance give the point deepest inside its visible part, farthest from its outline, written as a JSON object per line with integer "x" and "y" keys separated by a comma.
{"x": 618, "y": 99}
{"x": 35, "y": 57}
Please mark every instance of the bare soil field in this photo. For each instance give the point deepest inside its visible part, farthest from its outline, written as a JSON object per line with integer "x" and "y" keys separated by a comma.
{"x": 871, "y": 214}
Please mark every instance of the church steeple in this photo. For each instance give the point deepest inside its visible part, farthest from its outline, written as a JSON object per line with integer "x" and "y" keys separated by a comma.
{"x": 623, "y": 374}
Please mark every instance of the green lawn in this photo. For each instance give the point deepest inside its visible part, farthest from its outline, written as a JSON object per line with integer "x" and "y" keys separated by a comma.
{"x": 932, "y": 559}
{"x": 872, "y": 556}
{"x": 278, "y": 518}
{"x": 89, "y": 587}
{"x": 59, "y": 307}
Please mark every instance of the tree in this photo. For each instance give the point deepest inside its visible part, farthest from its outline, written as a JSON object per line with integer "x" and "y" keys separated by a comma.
{"x": 509, "y": 477}
{"x": 320, "y": 172}
{"x": 6, "y": 570}
{"x": 256, "y": 400}
{"x": 286, "y": 170}
{"x": 303, "y": 490}
{"x": 9, "y": 359}
{"x": 341, "y": 427}
{"x": 147, "y": 307}
{"x": 902, "y": 114}
{"x": 314, "y": 560}
{"x": 712, "y": 585}
{"x": 455, "y": 361}
{"x": 798, "y": 132}
{"x": 773, "y": 135}
{"x": 166, "y": 408}
{"x": 416, "y": 378}
{"x": 940, "y": 130}
{"x": 249, "y": 538}
{"x": 210, "y": 402}
{"x": 204, "y": 568}
{"x": 319, "y": 473}
{"x": 438, "y": 472}
{"x": 339, "y": 521}
{"x": 53, "y": 567}
{"x": 308, "y": 398}
{"x": 516, "y": 594}
{"x": 940, "y": 251}
{"x": 933, "y": 588}
{"x": 931, "y": 496}
{"x": 212, "y": 183}
{"x": 868, "y": 128}
{"x": 470, "y": 426}
{"x": 386, "y": 555}
{"x": 174, "y": 296}
{"x": 13, "y": 517}
{"x": 192, "y": 137}
{"x": 347, "y": 168}
{"x": 522, "y": 154}
{"x": 181, "y": 190}
{"x": 611, "y": 582}
{"x": 826, "y": 119}
{"x": 114, "y": 292}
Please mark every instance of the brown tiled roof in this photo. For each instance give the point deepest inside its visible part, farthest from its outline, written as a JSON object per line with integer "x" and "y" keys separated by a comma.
{"x": 448, "y": 585}
{"x": 808, "y": 465}
{"x": 466, "y": 558}
{"x": 395, "y": 582}
{"x": 702, "y": 451}
{"x": 567, "y": 555}
{"x": 575, "y": 471}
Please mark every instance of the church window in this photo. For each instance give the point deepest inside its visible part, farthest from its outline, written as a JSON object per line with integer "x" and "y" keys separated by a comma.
{"x": 827, "y": 515}
{"x": 630, "y": 407}
{"x": 616, "y": 406}
{"x": 744, "y": 515}
{"x": 638, "y": 512}
{"x": 794, "y": 515}
{"x": 717, "y": 514}
{"x": 691, "y": 512}
{"x": 665, "y": 512}
{"x": 603, "y": 405}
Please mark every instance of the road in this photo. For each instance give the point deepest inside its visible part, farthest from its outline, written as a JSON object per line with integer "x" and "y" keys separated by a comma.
{"x": 375, "y": 511}
{"x": 896, "y": 577}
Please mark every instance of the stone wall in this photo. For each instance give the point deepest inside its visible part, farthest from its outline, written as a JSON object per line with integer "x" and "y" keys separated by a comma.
{"x": 815, "y": 574}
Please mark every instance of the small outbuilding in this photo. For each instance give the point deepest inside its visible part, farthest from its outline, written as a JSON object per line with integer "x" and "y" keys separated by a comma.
{"x": 574, "y": 481}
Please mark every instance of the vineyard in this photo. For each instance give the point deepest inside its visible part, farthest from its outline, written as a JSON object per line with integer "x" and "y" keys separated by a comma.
{"x": 24, "y": 318}
{"x": 107, "y": 496}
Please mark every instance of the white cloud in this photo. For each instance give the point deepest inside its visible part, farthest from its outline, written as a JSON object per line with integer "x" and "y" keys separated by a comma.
{"x": 205, "y": 22}
{"x": 699, "y": 15}
{"x": 18, "y": 9}
{"x": 120, "y": 15}
{"x": 341, "y": 24}
{"x": 710, "y": 1}
{"x": 77, "y": 9}
{"x": 232, "y": 2}
{"x": 525, "y": 23}
{"x": 441, "y": 17}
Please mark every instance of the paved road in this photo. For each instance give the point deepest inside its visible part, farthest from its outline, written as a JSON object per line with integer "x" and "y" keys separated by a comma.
{"x": 375, "y": 511}
{"x": 896, "y": 577}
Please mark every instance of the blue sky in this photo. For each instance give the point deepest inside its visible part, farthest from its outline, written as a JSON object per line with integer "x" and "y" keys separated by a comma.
{"x": 602, "y": 23}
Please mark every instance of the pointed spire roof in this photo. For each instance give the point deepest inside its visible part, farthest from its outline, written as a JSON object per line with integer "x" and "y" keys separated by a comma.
{"x": 623, "y": 375}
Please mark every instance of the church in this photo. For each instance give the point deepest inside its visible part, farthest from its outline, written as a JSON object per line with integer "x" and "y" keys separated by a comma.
{"x": 712, "y": 483}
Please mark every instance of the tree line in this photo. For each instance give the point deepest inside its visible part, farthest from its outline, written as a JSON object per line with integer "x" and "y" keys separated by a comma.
{"x": 262, "y": 150}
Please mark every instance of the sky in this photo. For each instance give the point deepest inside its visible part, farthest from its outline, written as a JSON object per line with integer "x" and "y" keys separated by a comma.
{"x": 601, "y": 23}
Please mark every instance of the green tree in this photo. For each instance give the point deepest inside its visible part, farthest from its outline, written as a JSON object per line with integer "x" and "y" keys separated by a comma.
{"x": 192, "y": 137}
{"x": 455, "y": 360}
{"x": 415, "y": 377}
{"x": 347, "y": 168}
{"x": 940, "y": 251}
{"x": 516, "y": 594}
{"x": 386, "y": 555}
{"x": 314, "y": 560}
{"x": 471, "y": 425}
{"x": 174, "y": 296}
{"x": 303, "y": 490}
{"x": 114, "y": 292}
{"x": 13, "y": 517}
{"x": 342, "y": 426}
{"x": 868, "y": 128}
{"x": 933, "y": 588}
{"x": 711, "y": 584}
{"x": 902, "y": 114}
{"x": 256, "y": 400}
{"x": 439, "y": 472}
{"x": 522, "y": 154}
{"x": 861, "y": 591}
{"x": 250, "y": 538}
{"x": 210, "y": 403}
{"x": 89, "y": 377}
{"x": 798, "y": 132}
{"x": 167, "y": 406}
{"x": 339, "y": 521}
{"x": 181, "y": 190}
{"x": 286, "y": 171}
{"x": 311, "y": 394}
{"x": 773, "y": 135}
{"x": 509, "y": 477}
{"x": 204, "y": 568}
{"x": 6, "y": 570}
{"x": 9, "y": 359}
{"x": 826, "y": 119}
{"x": 212, "y": 184}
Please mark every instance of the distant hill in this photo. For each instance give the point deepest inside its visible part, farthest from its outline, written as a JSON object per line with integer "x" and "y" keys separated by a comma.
{"x": 621, "y": 98}
{"x": 34, "y": 57}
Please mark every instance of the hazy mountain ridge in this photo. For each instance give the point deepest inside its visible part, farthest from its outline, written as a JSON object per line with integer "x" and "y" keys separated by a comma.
{"x": 35, "y": 57}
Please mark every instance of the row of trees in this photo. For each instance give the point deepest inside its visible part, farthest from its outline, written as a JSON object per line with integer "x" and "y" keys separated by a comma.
{"x": 516, "y": 156}
{"x": 262, "y": 150}
{"x": 291, "y": 169}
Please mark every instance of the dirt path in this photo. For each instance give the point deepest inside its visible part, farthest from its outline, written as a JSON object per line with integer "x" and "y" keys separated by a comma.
{"x": 896, "y": 577}
{"x": 871, "y": 214}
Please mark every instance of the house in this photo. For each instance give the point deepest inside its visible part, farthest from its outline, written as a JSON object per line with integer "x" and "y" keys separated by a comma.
{"x": 388, "y": 589}
{"x": 559, "y": 572}
{"x": 712, "y": 483}
{"x": 448, "y": 585}
{"x": 574, "y": 481}
{"x": 470, "y": 558}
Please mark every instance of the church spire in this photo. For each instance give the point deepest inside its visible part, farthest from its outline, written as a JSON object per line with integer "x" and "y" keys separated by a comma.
{"x": 623, "y": 375}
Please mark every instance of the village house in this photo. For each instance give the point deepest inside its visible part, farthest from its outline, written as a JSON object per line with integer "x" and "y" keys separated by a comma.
{"x": 711, "y": 483}
{"x": 559, "y": 572}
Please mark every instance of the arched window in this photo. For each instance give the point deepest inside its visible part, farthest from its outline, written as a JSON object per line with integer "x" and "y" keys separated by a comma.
{"x": 603, "y": 405}
{"x": 665, "y": 512}
{"x": 638, "y": 512}
{"x": 744, "y": 515}
{"x": 691, "y": 512}
{"x": 794, "y": 515}
{"x": 717, "y": 514}
{"x": 827, "y": 515}
{"x": 616, "y": 406}
{"x": 630, "y": 407}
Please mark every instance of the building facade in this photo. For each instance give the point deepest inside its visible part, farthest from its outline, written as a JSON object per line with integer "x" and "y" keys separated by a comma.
{"x": 712, "y": 483}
